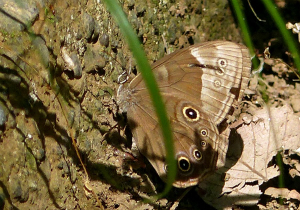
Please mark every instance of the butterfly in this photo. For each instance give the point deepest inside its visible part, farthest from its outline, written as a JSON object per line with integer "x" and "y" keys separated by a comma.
{"x": 200, "y": 85}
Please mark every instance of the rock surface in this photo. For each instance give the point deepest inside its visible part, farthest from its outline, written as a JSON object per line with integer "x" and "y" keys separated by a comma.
{"x": 47, "y": 106}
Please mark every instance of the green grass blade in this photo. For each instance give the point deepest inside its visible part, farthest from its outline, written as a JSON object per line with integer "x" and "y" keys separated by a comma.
{"x": 145, "y": 69}
{"x": 287, "y": 36}
{"x": 243, "y": 25}
{"x": 244, "y": 28}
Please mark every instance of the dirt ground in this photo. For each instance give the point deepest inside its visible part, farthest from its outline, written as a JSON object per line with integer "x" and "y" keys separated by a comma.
{"x": 58, "y": 84}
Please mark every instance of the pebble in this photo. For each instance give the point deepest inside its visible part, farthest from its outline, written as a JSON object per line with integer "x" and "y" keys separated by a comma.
{"x": 72, "y": 62}
{"x": 89, "y": 25}
{"x": 23, "y": 13}
{"x": 18, "y": 191}
{"x": 140, "y": 7}
{"x": 41, "y": 48}
{"x": 104, "y": 40}
{"x": 2, "y": 198}
{"x": 96, "y": 33}
{"x": 93, "y": 60}
{"x": 3, "y": 116}
{"x": 10, "y": 77}
{"x": 77, "y": 66}
{"x": 39, "y": 154}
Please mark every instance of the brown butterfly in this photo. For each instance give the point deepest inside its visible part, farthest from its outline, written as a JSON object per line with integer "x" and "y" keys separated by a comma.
{"x": 199, "y": 85}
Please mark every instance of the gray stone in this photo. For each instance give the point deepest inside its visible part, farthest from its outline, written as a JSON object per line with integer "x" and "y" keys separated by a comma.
{"x": 104, "y": 40}
{"x": 17, "y": 15}
{"x": 19, "y": 191}
{"x": 42, "y": 50}
{"x": 96, "y": 33}
{"x": 93, "y": 60}
{"x": 77, "y": 65}
{"x": 72, "y": 62}
{"x": 89, "y": 25}
{"x": 3, "y": 115}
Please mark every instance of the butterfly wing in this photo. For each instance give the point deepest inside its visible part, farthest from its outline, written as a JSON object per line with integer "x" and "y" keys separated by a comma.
{"x": 195, "y": 139}
{"x": 224, "y": 68}
{"x": 202, "y": 81}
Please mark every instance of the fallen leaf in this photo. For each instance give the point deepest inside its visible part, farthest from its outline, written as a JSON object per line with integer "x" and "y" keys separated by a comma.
{"x": 249, "y": 158}
{"x": 282, "y": 193}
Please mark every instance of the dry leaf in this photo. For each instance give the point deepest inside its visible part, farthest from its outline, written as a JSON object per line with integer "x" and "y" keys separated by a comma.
{"x": 283, "y": 193}
{"x": 249, "y": 158}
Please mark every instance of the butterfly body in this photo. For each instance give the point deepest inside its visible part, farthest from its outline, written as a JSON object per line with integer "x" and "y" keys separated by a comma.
{"x": 198, "y": 84}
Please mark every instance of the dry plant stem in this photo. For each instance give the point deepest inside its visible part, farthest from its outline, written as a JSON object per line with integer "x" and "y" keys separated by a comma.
{"x": 263, "y": 81}
{"x": 260, "y": 68}
{"x": 249, "y": 103}
{"x": 176, "y": 203}
{"x": 279, "y": 160}
{"x": 2, "y": 45}
{"x": 78, "y": 154}
{"x": 289, "y": 67}
{"x": 255, "y": 13}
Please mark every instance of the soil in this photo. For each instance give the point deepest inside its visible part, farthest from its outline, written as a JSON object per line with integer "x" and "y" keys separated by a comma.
{"x": 58, "y": 85}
